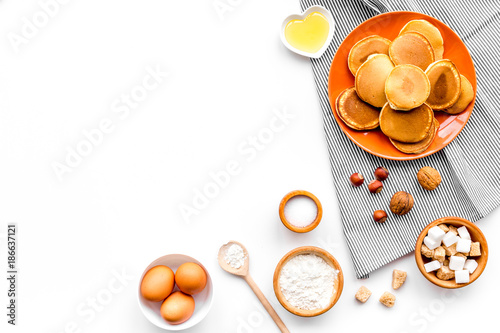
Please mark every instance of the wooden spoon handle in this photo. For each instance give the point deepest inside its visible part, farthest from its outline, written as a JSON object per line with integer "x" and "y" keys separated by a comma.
{"x": 266, "y": 303}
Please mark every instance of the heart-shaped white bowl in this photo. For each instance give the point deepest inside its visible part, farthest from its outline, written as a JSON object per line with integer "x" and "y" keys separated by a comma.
{"x": 302, "y": 16}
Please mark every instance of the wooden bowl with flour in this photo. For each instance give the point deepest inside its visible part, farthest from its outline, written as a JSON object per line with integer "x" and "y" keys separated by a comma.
{"x": 308, "y": 281}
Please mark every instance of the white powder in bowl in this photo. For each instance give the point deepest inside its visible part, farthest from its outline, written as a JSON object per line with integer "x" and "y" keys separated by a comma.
{"x": 300, "y": 211}
{"x": 307, "y": 282}
{"x": 235, "y": 256}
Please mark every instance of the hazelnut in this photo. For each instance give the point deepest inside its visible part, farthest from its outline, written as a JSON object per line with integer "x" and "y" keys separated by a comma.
{"x": 429, "y": 178}
{"x": 381, "y": 173}
{"x": 357, "y": 179}
{"x": 401, "y": 203}
{"x": 379, "y": 216}
{"x": 375, "y": 186}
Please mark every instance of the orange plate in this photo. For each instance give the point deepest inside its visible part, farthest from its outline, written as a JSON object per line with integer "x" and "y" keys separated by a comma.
{"x": 388, "y": 25}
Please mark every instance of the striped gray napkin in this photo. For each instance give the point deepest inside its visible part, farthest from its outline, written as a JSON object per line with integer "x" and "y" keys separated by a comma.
{"x": 468, "y": 166}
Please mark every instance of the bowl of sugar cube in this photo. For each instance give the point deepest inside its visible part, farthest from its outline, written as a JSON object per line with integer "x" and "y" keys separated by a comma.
{"x": 451, "y": 252}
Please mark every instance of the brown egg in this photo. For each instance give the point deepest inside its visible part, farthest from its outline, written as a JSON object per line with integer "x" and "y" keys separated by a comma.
{"x": 177, "y": 308}
{"x": 190, "y": 278}
{"x": 157, "y": 283}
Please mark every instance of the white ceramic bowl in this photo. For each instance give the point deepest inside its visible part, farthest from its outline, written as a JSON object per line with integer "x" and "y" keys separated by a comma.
{"x": 302, "y": 16}
{"x": 203, "y": 300}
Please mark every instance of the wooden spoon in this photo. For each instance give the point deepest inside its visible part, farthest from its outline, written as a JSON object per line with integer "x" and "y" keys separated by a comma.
{"x": 243, "y": 272}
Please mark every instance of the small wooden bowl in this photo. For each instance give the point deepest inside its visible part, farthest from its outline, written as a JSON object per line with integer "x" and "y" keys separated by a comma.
{"x": 292, "y": 227}
{"x": 338, "y": 286}
{"x": 476, "y": 236}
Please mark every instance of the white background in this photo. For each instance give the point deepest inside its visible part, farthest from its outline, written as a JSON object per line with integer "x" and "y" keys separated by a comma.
{"x": 118, "y": 210}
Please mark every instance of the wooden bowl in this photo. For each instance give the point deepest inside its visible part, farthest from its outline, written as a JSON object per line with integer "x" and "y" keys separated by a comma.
{"x": 338, "y": 284}
{"x": 292, "y": 227}
{"x": 476, "y": 236}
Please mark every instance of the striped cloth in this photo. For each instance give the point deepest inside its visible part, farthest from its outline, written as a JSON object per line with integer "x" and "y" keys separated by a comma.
{"x": 471, "y": 183}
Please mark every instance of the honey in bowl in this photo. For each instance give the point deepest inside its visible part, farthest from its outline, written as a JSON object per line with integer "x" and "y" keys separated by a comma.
{"x": 308, "y": 35}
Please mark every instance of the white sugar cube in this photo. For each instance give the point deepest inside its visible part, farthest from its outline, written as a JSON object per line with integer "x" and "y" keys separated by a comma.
{"x": 436, "y": 234}
{"x": 450, "y": 238}
{"x": 432, "y": 266}
{"x": 462, "y": 276}
{"x": 470, "y": 265}
{"x": 463, "y": 232}
{"x": 463, "y": 245}
{"x": 431, "y": 244}
{"x": 457, "y": 263}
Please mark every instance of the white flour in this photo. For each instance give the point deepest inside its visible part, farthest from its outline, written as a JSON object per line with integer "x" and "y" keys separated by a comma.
{"x": 235, "y": 256}
{"x": 301, "y": 211}
{"x": 307, "y": 282}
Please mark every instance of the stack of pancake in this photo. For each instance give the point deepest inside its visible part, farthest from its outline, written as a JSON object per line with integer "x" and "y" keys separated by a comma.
{"x": 399, "y": 85}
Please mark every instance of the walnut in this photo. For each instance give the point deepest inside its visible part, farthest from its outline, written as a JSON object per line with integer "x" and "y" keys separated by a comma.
{"x": 429, "y": 178}
{"x": 401, "y": 203}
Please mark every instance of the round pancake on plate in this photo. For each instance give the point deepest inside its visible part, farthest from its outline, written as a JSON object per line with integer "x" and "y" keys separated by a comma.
{"x": 370, "y": 79}
{"x": 407, "y": 87}
{"x": 430, "y": 31}
{"x": 406, "y": 126}
{"x": 445, "y": 84}
{"x": 412, "y": 48}
{"x": 466, "y": 96}
{"x": 364, "y": 48}
{"x": 354, "y": 112}
{"x": 417, "y": 147}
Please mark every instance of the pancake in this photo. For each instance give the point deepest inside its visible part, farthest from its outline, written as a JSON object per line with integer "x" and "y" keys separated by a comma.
{"x": 364, "y": 48}
{"x": 406, "y": 126}
{"x": 407, "y": 87}
{"x": 418, "y": 147}
{"x": 430, "y": 32}
{"x": 370, "y": 79}
{"x": 412, "y": 48}
{"x": 466, "y": 96}
{"x": 445, "y": 84}
{"x": 354, "y": 112}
